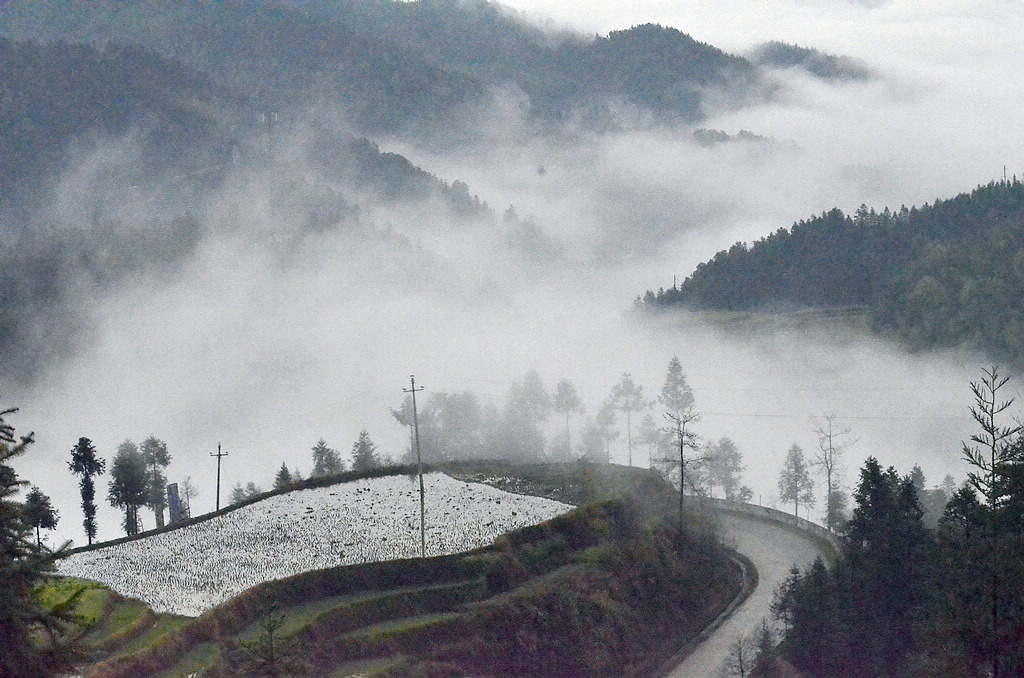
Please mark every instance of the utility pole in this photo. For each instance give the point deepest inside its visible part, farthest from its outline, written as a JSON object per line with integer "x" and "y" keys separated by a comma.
{"x": 419, "y": 463}
{"x": 219, "y": 455}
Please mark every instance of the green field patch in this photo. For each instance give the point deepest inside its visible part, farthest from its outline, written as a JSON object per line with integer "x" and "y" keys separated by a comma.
{"x": 200, "y": 657}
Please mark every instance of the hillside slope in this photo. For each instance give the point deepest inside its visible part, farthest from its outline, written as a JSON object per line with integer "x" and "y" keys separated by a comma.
{"x": 397, "y": 65}
{"x": 949, "y": 274}
{"x": 604, "y": 590}
{"x": 190, "y": 570}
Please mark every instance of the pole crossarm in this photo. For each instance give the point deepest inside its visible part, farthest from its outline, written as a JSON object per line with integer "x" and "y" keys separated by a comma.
{"x": 219, "y": 454}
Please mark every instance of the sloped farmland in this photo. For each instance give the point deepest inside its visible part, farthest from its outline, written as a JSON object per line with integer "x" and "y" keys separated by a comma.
{"x": 192, "y": 569}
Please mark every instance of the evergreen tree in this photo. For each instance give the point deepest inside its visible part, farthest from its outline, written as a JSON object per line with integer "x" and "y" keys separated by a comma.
{"x": 326, "y": 460}
{"x": 364, "y": 453}
{"x": 252, "y": 489}
{"x": 22, "y": 567}
{"x": 676, "y": 394}
{"x": 283, "y": 478}
{"x": 40, "y": 513}
{"x": 237, "y": 494}
{"x": 795, "y": 484}
{"x": 129, "y": 484}
{"x": 154, "y": 451}
{"x": 85, "y": 464}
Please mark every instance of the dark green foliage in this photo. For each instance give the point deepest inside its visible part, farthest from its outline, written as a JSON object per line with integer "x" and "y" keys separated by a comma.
{"x": 22, "y": 567}
{"x": 326, "y": 460}
{"x": 40, "y": 513}
{"x": 283, "y": 478}
{"x": 942, "y": 275}
{"x": 85, "y": 464}
{"x": 364, "y": 453}
{"x": 781, "y": 55}
{"x": 868, "y": 616}
{"x": 129, "y": 484}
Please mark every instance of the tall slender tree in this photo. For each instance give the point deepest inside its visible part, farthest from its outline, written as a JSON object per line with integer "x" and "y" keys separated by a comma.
{"x": 567, "y": 402}
{"x": 833, "y": 441}
{"x": 795, "y": 484}
{"x": 629, "y": 398}
{"x": 991, "y": 456}
{"x": 86, "y": 465}
{"x": 154, "y": 451}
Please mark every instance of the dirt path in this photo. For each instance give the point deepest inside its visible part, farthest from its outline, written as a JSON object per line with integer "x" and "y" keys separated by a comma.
{"x": 773, "y": 549}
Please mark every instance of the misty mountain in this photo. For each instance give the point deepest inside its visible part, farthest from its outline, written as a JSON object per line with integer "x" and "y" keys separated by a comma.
{"x": 399, "y": 66}
{"x": 52, "y": 94}
{"x": 780, "y": 55}
{"x": 949, "y": 274}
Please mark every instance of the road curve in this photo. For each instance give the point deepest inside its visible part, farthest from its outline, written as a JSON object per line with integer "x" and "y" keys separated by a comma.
{"x": 773, "y": 549}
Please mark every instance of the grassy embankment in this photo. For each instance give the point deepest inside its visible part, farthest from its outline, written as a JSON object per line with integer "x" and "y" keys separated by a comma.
{"x": 608, "y": 589}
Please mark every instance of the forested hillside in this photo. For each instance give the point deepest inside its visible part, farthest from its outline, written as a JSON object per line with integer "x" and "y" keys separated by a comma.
{"x": 52, "y": 93}
{"x": 397, "y": 65}
{"x": 947, "y": 274}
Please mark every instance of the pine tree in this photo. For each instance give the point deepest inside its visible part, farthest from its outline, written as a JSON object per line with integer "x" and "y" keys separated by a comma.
{"x": 326, "y": 460}
{"x": 85, "y": 464}
{"x": 676, "y": 394}
{"x": 237, "y": 494}
{"x": 154, "y": 451}
{"x": 22, "y": 566}
{"x": 40, "y": 513}
{"x": 364, "y": 453}
{"x": 795, "y": 484}
{"x": 283, "y": 478}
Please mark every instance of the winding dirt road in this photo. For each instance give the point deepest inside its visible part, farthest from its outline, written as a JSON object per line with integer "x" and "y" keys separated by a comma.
{"x": 773, "y": 549}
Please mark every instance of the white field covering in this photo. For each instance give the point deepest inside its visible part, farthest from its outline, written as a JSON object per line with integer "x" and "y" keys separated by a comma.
{"x": 192, "y": 569}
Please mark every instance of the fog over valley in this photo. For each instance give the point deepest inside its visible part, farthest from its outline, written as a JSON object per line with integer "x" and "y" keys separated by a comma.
{"x": 289, "y": 297}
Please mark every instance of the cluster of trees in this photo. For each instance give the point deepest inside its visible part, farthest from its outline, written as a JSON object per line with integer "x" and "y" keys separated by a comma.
{"x": 537, "y": 423}
{"x": 942, "y": 275}
{"x": 31, "y": 633}
{"x": 906, "y": 599}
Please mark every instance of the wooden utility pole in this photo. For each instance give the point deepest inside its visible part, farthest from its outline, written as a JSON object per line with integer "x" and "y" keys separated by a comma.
{"x": 419, "y": 463}
{"x": 219, "y": 455}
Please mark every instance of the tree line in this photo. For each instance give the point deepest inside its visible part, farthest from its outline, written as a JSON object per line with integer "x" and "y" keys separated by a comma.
{"x": 947, "y": 274}
{"x": 907, "y": 598}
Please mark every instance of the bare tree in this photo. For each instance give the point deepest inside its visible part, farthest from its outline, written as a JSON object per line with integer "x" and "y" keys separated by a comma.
{"x": 187, "y": 491}
{"x": 687, "y": 441}
{"x": 740, "y": 660}
{"x": 832, "y": 443}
